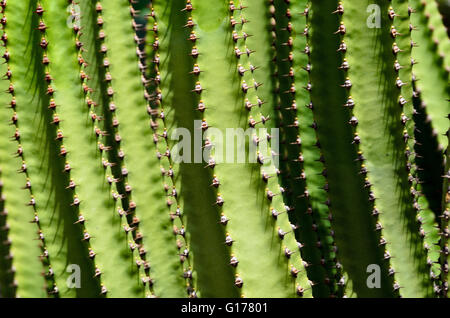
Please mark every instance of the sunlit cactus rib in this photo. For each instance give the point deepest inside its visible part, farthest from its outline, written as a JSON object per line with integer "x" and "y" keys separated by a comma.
{"x": 378, "y": 110}
{"x": 349, "y": 199}
{"x": 226, "y": 109}
{"x": 400, "y": 13}
{"x": 172, "y": 59}
{"x": 52, "y": 201}
{"x": 155, "y": 79}
{"x": 101, "y": 100}
{"x": 301, "y": 166}
{"x": 259, "y": 119}
{"x": 436, "y": 25}
{"x": 314, "y": 166}
{"x": 431, "y": 92}
{"x": 21, "y": 268}
{"x": 142, "y": 173}
{"x": 430, "y": 75}
{"x": 97, "y": 213}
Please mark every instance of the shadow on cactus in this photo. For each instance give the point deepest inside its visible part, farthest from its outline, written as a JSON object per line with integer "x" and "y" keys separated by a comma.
{"x": 246, "y": 148}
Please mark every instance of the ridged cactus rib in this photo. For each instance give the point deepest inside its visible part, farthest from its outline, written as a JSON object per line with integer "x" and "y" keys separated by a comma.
{"x": 300, "y": 152}
{"x": 143, "y": 173}
{"x": 436, "y": 25}
{"x": 225, "y": 111}
{"x": 20, "y": 265}
{"x": 246, "y": 70}
{"x": 38, "y": 134}
{"x": 431, "y": 92}
{"x": 400, "y": 13}
{"x": 425, "y": 217}
{"x": 173, "y": 65}
{"x": 100, "y": 101}
{"x": 96, "y": 208}
{"x": 349, "y": 201}
{"x": 162, "y": 123}
{"x": 431, "y": 78}
{"x": 378, "y": 111}
{"x": 317, "y": 186}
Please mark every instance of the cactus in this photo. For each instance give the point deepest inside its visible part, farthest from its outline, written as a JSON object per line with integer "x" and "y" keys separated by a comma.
{"x": 116, "y": 180}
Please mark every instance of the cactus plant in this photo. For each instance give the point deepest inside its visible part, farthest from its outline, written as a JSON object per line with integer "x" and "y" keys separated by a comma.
{"x": 116, "y": 180}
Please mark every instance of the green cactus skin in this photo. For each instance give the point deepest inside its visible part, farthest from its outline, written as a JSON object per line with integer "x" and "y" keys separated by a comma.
{"x": 52, "y": 202}
{"x": 90, "y": 177}
{"x": 219, "y": 65}
{"x": 350, "y": 200}
{"x": 436, "y": 25}
{"x": 426, "y": 218}
{"x": 430, "y": 58}
{"x": 215, "y": 277}
{"x": 26, "y": 279}
{"x": 166, "y": 270}
{"x": 387, "y": 168}
{"x": 301, "y": 166}
{"x": 97, "y": 206}
{"x": 430, "y": 100}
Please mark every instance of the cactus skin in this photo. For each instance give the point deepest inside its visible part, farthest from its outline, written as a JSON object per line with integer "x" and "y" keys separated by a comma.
{"x": 26, "y": 279}
{"x": 215, "y": 49}
{"x": 89, "y": 176}
{"x": 386, "y": 166}
{"x": 303, "y": 179}
{"x": 429, "y": 99}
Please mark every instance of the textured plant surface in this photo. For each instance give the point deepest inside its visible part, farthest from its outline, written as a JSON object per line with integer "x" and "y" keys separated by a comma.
{"x": 348, "y": 195}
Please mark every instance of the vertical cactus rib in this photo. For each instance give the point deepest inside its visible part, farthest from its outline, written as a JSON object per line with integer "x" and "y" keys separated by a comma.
{"x": 140, "y": 172}
{"x": 400, "y": 13}
{"x": 92, "y": 195}
{"x": 170, "y": 73}
{"x": 253, "y": 103}
{"x": 301, "y": 156}
{"x": 21, "y": 268}
{"x": 430, "y": 76}
{"x": 431, "y": 92}
{"x": 436, "y": 25}
{"x": 224, "y": 110}
{"x": 314, "y": 164}
{"x": 340, "y": 154}
{"x": 162, "y": 124}
{"x": 378, "y": 109}
{"x": 30, "y": 90}
{"x": 103, "y": 112}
